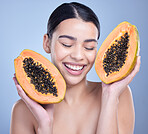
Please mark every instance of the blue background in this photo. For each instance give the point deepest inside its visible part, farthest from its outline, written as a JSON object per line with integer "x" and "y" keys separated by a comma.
{"x": 23, "y": 24}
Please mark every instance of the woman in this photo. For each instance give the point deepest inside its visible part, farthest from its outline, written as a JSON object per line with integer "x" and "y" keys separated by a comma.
{"x": 88, "y": 107}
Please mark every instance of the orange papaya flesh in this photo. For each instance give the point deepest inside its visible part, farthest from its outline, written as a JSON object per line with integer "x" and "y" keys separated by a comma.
{"x": 117, "y": 55}
{"x": 39, "y": 78}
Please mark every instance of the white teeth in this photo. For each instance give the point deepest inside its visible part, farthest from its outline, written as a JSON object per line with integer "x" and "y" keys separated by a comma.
{"x": 73, "y": 67}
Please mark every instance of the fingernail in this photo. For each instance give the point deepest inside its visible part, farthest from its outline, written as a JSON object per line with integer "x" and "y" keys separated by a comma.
{"x": 14, "y": 80}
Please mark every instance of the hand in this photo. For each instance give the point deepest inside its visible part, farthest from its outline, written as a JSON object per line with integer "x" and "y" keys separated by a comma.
{"x": 118, "y": 87}
{"x": 42, "y": 113}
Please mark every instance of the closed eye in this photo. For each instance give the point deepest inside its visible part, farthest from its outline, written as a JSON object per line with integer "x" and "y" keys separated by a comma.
{"x": 89, "y": 48}
{"x": 66, "y": 45}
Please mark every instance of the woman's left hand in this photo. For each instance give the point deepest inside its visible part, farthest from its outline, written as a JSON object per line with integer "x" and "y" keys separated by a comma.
{"x": 118, "y": 87}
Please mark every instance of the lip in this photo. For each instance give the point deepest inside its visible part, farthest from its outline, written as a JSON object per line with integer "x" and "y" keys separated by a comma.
{"x": 74, "y": 72}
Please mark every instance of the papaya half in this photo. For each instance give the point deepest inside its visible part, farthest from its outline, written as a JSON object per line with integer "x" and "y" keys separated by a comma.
{"x": 39, "y": 78}
{"x": 117, "y": 55}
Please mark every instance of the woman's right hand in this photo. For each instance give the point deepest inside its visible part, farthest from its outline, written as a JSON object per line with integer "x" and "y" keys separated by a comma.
{"x": 42, "y": 113}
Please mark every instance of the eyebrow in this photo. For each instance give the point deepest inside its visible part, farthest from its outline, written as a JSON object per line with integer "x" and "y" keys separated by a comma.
{"x": 73, "y": 38}
{"x": 90, "y": 40}
{"x": 67, "y": 36}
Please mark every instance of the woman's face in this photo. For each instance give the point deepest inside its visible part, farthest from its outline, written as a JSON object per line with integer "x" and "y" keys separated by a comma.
{"x": 73, "y": 49}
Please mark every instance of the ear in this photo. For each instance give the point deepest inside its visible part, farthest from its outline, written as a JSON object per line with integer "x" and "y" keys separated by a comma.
{"x": 46, "y": 43}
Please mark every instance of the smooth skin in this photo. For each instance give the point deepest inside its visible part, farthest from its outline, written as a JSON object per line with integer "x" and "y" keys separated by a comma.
{"x": 88, "y": 107}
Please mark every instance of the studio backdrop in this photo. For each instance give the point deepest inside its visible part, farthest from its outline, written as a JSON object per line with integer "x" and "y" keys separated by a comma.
{"x": 23, "y": 24}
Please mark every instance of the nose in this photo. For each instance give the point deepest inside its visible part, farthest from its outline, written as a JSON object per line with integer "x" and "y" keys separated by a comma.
{"x": 77, "y": 53}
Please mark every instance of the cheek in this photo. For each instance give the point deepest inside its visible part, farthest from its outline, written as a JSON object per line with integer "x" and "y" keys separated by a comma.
{"x": 91, "y": 56}
{"x": 58, "y": 53}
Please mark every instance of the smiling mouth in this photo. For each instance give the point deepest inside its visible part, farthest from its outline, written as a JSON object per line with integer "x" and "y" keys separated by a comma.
{"x": 74, "y": 67}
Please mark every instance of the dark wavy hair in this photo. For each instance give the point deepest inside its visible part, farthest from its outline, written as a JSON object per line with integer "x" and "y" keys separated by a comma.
{"x": 71, "y": 10}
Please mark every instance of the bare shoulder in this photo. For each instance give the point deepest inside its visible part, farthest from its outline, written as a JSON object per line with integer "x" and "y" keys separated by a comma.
{"x": 126, "y": 100}
{"x": 21, "y": 119}
{"x": 126, "y": 113}
{"x": 19, "y": 106}
{"x": 19, "y": 109}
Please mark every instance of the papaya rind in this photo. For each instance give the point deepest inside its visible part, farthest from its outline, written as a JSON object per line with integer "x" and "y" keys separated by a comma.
{"x": 26, "y": 91}
{"x": 135, "y": 57}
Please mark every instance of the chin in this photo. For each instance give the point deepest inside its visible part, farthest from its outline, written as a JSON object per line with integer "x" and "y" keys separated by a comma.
{"x": 72, "y": 81}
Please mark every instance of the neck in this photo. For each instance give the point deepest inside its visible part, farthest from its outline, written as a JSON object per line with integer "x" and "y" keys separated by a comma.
{"x": 75, "y": 92}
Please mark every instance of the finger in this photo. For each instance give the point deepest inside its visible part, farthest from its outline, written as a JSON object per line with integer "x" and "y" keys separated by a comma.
{"x": 137, "y": 66}
{"x": 15, "y": 80}
{"x": 22, "y": 94}
{"x": 18, "y": 87}
{"x": 138, "y": 52}
{"x": 135, "y": 70}
{"x": 33, "y": 106}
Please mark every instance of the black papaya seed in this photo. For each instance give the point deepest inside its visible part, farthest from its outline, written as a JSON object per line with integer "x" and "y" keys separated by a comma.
{"x": 39, "y": 77}
{"x": 115, "y": 56}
